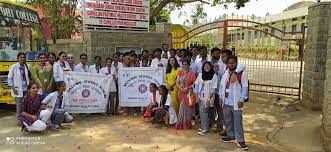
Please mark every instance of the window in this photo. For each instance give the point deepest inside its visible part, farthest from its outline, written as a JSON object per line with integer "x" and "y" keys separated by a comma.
{"x": 303, "y": 17}
{"x": 294, "y": 28}
{"x": 266, "y": 30}
{"x": 284, "y": 28}
{"x": 294, "y": 19}
{"x": 255, "y": 34}
{"x": 273, "y": 23}
{"x": 243, "y": 36}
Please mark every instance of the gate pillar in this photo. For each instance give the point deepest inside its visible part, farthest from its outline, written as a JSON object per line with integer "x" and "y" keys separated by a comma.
{"x": 317, "y": 74}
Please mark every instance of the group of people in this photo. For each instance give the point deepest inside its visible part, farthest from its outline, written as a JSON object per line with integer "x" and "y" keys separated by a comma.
{"x": 197, "y": 86}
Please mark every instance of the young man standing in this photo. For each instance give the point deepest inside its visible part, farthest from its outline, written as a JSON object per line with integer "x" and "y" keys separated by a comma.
{"x": 96, "y": 68}
{"x": 232, "y": 98}
{"x": 197, "y": 65}
{"x": 158, "y": 62}
{"x": 82, "y": 67}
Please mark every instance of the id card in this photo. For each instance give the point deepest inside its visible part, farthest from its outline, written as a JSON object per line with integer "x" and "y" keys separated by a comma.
{"x": 227, "y": 90}
{"x": 45, "y": 80}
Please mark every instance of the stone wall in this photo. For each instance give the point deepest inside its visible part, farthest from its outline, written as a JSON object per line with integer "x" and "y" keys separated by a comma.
{"x": 75, "y": 47}
{"x": 326, "y": 119}
{"x": 104, "y": 43}
{"x": 317, "y": 75}
{"x": 315, "y": 56}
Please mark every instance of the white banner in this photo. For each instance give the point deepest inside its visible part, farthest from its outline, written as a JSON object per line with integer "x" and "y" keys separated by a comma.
{"x": 86, "y": 92}
{"x": 134, "y": 85}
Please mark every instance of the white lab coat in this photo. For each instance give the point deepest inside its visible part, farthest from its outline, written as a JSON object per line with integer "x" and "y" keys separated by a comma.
{"x": 172, "y": 111}
{"x": 15, "y": 79}
{"x": 237, "y": 88}
{"x": 79, "y": 68}
{"x": 112, "y": 75}
{"x": 51, "y": 99}
{"x": 156, "y": 62}
{"x": 93, "y": 69}
{"x": 118, "y": 66}
{"x": 209, "y": 87}
{"x": 58, "y": 70}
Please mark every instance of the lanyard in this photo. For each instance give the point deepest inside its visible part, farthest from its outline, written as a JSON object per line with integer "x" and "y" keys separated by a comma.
{"x": 22, "y": 70}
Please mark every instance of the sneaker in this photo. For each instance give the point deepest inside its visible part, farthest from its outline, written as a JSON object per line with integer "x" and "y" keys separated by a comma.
{"x": 242, "y": 145}
{"x": 203, "y": 132}
{"x": 200, "y": 129}
{"x": 223, "y": 134}
{"x": 227, "y": 140}
{"x": 55, "y": 127}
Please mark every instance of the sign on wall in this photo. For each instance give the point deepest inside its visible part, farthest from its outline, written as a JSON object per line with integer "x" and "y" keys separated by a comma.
{"x": 134, "y": 85}
{"x": 131, "y": 15}
{"x": 86, "y": 92}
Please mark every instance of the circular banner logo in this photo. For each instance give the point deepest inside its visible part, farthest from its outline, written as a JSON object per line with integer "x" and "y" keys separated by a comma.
{"x": 142, "y": 88}
{"x": 86, "y": 93}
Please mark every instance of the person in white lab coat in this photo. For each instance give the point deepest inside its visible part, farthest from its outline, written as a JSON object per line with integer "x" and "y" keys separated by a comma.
{"x": 54, "y": 103}
{"x": 82, "y": 67}
{"x": 112, "y": 105}
{"x": 166, "y": 111}
{"x": 18, "y": 80}
{"x": 232, "y": 98}
{"x": 158, "y": 62}
{"x": 95, "y": 68}
{"x": 60, "y": 66}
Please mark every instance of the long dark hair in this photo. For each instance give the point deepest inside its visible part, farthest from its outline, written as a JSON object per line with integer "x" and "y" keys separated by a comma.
{"x": 59, "y": 84}
{"x": 165, "y": 96}
{"x": 31, "y": 84}
{"x": 207, "y": 75}
{"x": 169, "y": 67}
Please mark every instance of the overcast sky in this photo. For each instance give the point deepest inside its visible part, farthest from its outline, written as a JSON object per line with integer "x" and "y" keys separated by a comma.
{"x": 257, "y": 7}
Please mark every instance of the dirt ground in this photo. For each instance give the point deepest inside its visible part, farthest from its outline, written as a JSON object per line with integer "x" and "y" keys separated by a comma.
{"x": 265, "y": 118}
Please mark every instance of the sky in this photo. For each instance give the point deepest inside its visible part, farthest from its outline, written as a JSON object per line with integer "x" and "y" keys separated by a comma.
{"x": 256, "y": 7}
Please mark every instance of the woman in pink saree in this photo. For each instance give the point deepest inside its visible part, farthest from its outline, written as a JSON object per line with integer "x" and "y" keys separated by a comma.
{"x": 185, "y": 81}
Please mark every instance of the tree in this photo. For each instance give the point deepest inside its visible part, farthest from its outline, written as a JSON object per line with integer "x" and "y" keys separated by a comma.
{"x": 157, "y": 5}
{"x": 62, "y": 16}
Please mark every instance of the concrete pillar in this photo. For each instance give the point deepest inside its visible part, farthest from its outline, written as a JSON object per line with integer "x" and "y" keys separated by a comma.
{"x": 326, "y": 119}
{"x": 317, "y": 74}
{"x": 315, "y": 55}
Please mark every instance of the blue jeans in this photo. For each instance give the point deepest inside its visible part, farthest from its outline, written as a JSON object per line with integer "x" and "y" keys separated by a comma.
{"x": 203, "y": 111}
{"x": 233, "y": 123}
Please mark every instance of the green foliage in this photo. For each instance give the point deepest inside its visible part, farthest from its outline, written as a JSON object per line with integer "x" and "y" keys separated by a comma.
{"x": 156, "y": 7}
{"x": 62, "y": 16}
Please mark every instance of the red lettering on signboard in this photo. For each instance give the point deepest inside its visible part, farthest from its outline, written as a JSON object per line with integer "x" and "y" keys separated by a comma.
{"x": 115, "y": 7}
{"x": 134, "y": 2}
{"x": 117, "y": 23}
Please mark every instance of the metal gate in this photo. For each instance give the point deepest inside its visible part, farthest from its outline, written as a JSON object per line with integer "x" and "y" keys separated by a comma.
{"x": 273, "y": 57}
